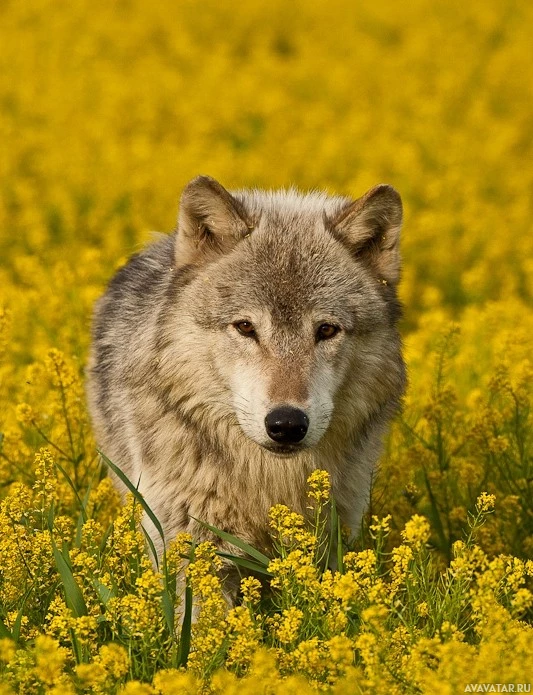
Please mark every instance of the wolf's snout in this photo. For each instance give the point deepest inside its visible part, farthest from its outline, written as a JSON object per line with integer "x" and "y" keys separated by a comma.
{"x": 286, "y": 425}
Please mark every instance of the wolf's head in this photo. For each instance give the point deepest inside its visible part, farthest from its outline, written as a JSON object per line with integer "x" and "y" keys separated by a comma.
{"x": 295, "y": 296}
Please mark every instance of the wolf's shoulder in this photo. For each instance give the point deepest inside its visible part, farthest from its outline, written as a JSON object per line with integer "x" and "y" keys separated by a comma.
{"x": 144, "y": 269}
{"x": 137, "y": 290}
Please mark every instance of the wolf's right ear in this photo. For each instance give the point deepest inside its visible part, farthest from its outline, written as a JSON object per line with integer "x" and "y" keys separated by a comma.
{"x": 370, "y": 227}
{"x": 210, "y": 222}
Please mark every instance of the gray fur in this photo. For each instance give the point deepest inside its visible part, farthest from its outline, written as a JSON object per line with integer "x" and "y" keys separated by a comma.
{"x": 178, "y": 396}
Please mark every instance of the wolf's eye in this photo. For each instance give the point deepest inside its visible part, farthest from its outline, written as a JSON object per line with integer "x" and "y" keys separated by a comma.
{"x": 245, "y": 328}
{"x": 326, "y": 331}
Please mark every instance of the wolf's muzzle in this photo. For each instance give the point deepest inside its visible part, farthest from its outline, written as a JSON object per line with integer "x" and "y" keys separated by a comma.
{"x": 286, "y": 425}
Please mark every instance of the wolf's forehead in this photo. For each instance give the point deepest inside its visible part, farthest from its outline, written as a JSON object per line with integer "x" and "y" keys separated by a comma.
{"x": 290, "y": 265}
{"x": 289, "y": 205}
{"x": 289, "y": 273}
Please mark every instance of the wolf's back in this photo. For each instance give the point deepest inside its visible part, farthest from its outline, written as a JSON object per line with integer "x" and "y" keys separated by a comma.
{"x": 123, "y": 338}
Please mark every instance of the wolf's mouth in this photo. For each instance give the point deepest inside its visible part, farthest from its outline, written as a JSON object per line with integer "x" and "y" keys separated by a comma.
{"x": 283, "y": 450}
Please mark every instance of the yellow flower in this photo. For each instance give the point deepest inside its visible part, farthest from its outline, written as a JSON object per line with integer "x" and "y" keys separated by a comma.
{"x": 364, "y": 562}
{"x": 417, "y": 531}
{"x": 366, "y": 645}
{"x": 401, "y": 558}
{"x": 451, "y": 632}
{"x": 347, "y": 589}
{"x": 289, "y": 529}
{"x": 244, "y": 637}
{"x": 485, "y": 502}
{"x": 114, "y": 659}
{"x": 58, "y": 368}
{"x": 341, "y": 650}
{"x": 7, "y": 650}
{"x": 251, "y": 589}
{"x": 209, "y": 629}
{"x": 45, "y": 486}
{"x": 49, "y": 659}
{"x": 110, "y": 665}
{"x": 91, "y": 675}
{"x": 172, "y": 681}
{"x": 319, "y": 486}
{"x": 25, "y": 414}
{"x": 85, "y": 628}
{"x": 136, "y": 688}
{"x": 310, "y": 656}
{"x": 422, "y": 609}
{"x": 178, "y": 549}
{"x": 289, "y": 625}
{"x": 380, "y": 526}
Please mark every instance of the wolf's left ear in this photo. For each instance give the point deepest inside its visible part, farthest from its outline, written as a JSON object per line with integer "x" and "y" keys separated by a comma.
{"x": 210, "y": 222}
{"x": 370, "y": 227}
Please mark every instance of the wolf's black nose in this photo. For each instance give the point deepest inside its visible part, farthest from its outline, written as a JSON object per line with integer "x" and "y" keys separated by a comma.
{"x": 286, "y": 425}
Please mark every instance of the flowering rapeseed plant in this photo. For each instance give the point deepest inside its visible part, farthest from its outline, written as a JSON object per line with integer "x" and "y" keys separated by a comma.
{"x": 105, "y": 112}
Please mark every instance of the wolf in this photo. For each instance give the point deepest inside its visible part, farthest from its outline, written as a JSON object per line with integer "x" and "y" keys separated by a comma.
{"x": 255, "y": 344}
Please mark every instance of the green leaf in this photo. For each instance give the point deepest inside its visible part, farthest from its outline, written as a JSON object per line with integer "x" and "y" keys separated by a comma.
{"x": 169, "y": 579}
{"x": 106, "y": 535}
{"x": 135, "y": 492}
{"x": 332, "y": 531}
{"x": 186, "y": 624}
{"x": 104, "y": 592}
{"x": 151, "y": 546}
{"x": 243, "y": 562}
{"x": 434, "y": 516}
{"x": 168, "y": 610}
{"x": 18, "y": 621}
{"x": 340, "y": 556}
{"x": 73, "y": 595}
{"x": 51, "y": 517}
{"x": 249, "y": 549}
{"x": 185, "y": 635}
{"x": 336, "y": 535}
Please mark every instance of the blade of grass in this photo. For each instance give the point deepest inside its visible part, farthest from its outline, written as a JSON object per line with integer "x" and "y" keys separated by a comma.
{"x": 51, "y": 517}
{"x": 249, "y": 549}
{"x": 333, "y": 520}
{"x": 434, "y": 516}
{"x": 73, "y": 595}
{"x": 169, "y": 591}
{"x": 151, "y": 546}
{"x": 243, "y": 562}
{"x": 340, "y": 556}
{"x": 18, "y": 622}
{"x": 105, "y": 537}
{"x": 168, "y": 610}
{"x": 104, "y": 592}
{"x": 186, "y": 623}
{"x": 185, "y": 634}
{"x": 169, "y": 579}
{"x": 337, "y": 529}
{"x": 135, "y": 492}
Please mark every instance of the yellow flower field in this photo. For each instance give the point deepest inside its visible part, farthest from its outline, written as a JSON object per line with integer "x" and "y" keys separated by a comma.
{"x": 106, "y": 110}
